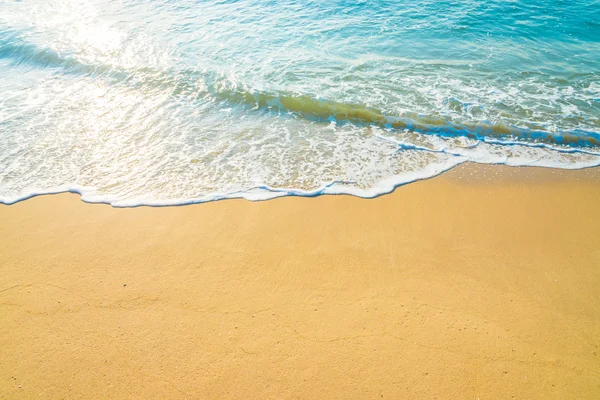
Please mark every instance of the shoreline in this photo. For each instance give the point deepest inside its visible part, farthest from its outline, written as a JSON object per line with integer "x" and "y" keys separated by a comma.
{"x": 481, "y": 282}
{"x": 467, "y": 171}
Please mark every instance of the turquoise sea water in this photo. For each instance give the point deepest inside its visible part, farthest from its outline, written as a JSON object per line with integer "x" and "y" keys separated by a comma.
{"x": 174, "y": 101}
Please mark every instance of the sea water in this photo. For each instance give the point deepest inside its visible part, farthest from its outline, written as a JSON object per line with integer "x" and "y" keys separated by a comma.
{"x": 164, "y": 102}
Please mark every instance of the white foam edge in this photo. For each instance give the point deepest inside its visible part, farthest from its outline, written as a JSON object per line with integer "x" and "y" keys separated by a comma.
{"x": 265, "y": 192}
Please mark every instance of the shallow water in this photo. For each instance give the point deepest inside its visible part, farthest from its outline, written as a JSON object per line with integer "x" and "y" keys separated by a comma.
{"x": 169, "y": 102}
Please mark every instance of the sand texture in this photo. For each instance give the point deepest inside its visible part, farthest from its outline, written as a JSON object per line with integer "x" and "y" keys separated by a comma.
{"x": 450, "y": 288}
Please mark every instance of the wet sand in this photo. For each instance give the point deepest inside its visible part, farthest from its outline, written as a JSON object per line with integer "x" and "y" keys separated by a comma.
{"x": 480, "y": 283}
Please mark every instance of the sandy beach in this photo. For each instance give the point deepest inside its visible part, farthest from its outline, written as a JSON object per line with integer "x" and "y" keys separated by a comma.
{"x": 451, "y": 288}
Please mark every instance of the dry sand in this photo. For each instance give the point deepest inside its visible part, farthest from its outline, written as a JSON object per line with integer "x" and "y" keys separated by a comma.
{"x": 450, "y": 288}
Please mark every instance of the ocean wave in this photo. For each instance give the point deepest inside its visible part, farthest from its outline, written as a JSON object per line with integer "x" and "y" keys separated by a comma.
{"x": 203, "y": 84}
{"x": 330, "y": 111}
